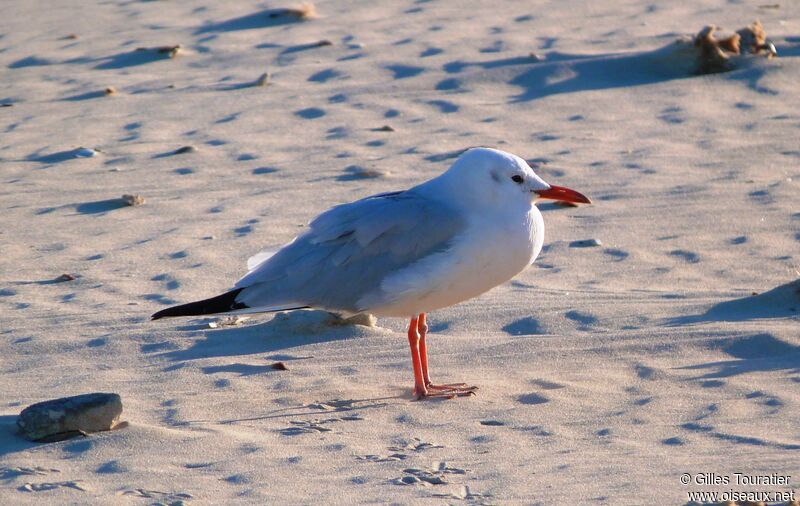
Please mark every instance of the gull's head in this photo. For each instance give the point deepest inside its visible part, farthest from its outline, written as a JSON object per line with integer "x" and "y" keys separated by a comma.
{"x": 495, "y": 178}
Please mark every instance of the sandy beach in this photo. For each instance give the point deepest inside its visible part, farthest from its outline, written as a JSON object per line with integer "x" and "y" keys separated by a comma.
{"x": 655, "y": 336}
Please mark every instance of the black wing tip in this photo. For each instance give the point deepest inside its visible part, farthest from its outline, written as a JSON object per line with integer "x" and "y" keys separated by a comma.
{"x": 161, "y": 314}
{"x": 219, "y": 304}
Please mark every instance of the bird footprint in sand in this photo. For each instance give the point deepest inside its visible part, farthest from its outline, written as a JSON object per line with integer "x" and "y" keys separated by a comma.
{"x": 9, "y": 473}
{"x": 173, "y": 497}
{"x": 432, "y": 477}
{"x": 416, "y": 445}
{"x": 43, "y": 487}
{"x": 315, "y": 426}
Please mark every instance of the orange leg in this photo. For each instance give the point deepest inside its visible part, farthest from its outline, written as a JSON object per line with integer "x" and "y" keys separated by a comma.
{"x": 413, "y": 342}
{"x": 423, "y": 386}
{"x": 422, "y": 329}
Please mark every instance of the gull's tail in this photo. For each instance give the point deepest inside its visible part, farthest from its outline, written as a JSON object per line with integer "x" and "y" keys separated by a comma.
{"x": 219, "y": 304}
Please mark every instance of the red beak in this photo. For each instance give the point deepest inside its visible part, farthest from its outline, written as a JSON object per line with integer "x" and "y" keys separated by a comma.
{"x": 563, "y": 194}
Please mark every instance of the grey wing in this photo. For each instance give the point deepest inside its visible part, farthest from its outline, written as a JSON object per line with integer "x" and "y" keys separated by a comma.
{"x": 347, "y": 252}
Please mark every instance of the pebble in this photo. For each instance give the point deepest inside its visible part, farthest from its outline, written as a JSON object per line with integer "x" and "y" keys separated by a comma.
{"x": 264, "y": 79}
{"x": 172, "y": 51}
{"x": 585, "y": 243}
{"x": 492, "y": 423}
{"x": 65, "y": 277}
{"x": 186, "y": 149}
{"x": 385, "y": 128}
{"x": 133, "y": 200}
{"x": 303, "y": 12}
{"x": 110, "y": 91}
{"x": 85, "y": 152}
{"x": 70, "y": 416}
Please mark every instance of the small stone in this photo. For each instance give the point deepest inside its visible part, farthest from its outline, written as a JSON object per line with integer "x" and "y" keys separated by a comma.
{"x": 186, "y": 149}
{"x": 385, "y": 128}
{"x": 408, "y": 480}
{"x": 324, "y": 42}
{"x": 303, "y": 12}
{"x": 65, "y": 277}
{"x": 86, "y": 152}
{"x": 172, "y": 51}
{"x": 6, "y": 104}
{"x": 133, "y": 200}
{"x": 78, "y": 414}
{"x": 110, "y": 91}
{"x": 585, "y": 243}
{"x": 72, "y": 36}
{"x": 280, "y": 366}
{"x": 492, "y": 423}
{"x": 536, "y": 57}
{"x": 264, "y": 79}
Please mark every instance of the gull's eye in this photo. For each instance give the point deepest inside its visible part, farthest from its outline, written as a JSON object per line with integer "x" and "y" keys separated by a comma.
{"x": 517, "y": 178}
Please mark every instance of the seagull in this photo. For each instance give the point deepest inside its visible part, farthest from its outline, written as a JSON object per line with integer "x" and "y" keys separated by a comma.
{"x": 405, "y": 253}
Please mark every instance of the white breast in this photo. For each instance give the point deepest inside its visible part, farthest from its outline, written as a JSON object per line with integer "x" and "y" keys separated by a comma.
{"x": 491, "y": 251}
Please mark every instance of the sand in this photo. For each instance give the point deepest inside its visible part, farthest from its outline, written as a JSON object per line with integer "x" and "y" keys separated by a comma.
{"x": 605, "y": 372}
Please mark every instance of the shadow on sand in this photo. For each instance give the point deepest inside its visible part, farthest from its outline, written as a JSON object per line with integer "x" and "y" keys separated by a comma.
{"x": 571, "y": 73}
{"x": 780, "y": 302}
{"x": 10, "y": 440}
{"x": 133, "y": 58}
{"x": 263, "y": 19}
{"x": 284, "y": 331}
{"x": 757, "y": 353}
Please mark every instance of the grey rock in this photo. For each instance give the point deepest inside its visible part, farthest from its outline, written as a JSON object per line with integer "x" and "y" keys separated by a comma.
{"x": 69, "y": 416}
